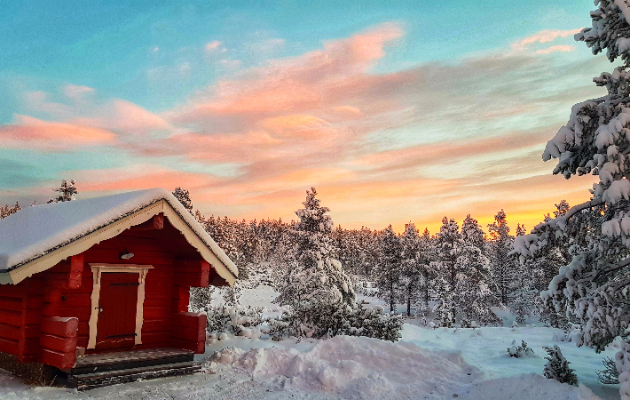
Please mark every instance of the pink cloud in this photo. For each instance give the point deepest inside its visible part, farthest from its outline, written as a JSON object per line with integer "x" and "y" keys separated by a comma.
{"x": 31, "y": 132}
{"x": 557, "y": 48}
{"x": 215, "y": 45}
{"x": 544, "y": 36}
{"x": 138, "y": 177}
{"x": 293, "y": 84}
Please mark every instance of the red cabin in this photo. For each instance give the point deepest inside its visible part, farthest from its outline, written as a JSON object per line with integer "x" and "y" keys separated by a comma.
{"x": 102, "y": 285}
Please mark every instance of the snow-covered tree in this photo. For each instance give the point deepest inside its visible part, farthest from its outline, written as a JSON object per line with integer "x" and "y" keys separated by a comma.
{"x": 557, "y": 367}
{"x": 444, "y": 308}
{"x": 7, "y": 210}
{"x": 561, "y": 208}
{"x": 520, "y": 230}
{"x": 595, "y": 285}
{"x": 472, "y": 234}
{"x": 413, "y": 268}
{"x": 449, "y": 245}
{"x": 388, "y": 270}
{"x": 318, "y": 277}
{"x": 65, "y": 192}
{"x": 184, "y": 197}
{"x": 502, "y": 263}
{"x": 609, "y": 375}
{"x": 472, "y": 295}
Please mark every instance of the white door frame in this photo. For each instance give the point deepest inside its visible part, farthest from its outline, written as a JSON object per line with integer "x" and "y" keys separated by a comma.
{"x": 97, "y": 271}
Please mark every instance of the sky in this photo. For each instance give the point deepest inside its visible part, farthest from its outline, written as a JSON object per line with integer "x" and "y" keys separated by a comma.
{"x": 395, "y": 111}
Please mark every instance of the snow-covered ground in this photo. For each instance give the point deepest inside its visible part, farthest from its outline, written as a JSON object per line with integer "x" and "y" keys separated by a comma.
{"x": 425, "y": 364}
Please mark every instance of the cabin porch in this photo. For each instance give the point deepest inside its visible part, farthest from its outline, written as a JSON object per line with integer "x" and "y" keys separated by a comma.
{"x": 95, "y": 370}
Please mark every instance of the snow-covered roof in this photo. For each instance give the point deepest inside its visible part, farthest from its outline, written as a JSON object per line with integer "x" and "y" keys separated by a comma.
{"x": 35, "y": 232}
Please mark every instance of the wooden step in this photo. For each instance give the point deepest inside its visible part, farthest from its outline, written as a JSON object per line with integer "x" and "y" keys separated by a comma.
{"x": 129, "y": 365}
{"x": 93, "y": 380}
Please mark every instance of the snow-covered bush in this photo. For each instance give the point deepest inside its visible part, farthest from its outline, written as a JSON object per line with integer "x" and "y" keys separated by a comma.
{"x": 520, "y": 351}
{"x": 326, "y": 320}
{"x": 200, "y": 298}
{"x": 235, "y": 320}
{"x": 609, "y": 375}
{"x": 557, "y": 367}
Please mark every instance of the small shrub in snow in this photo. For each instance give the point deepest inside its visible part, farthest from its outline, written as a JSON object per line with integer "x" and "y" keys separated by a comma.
{"x": 200, "y": 298}
{"x": 609, "y": 375}
{"x": 235, "y": 320}
{"x": 520, "y": 351}
{"x": 558, "y": 368}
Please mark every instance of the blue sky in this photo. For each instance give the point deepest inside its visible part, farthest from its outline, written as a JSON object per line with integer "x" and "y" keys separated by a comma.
{"x": 421, "y": 109}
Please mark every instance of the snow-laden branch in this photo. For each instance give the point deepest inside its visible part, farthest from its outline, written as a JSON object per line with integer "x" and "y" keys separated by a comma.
{"x": 577, "y": 208}
{"x": 611, "y": 268}
{"x": 623, "y": 7}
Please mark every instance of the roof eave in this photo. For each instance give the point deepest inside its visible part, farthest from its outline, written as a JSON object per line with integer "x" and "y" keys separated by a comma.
{"x": 82, "y": 244}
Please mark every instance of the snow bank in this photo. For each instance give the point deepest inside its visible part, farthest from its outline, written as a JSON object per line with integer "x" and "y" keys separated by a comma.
{"x": 35, "y": 231}
{"x": 525, "y": 387}
{"x": 357, "y": 368}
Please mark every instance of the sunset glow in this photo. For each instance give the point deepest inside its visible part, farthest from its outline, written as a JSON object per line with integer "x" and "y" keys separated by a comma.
{"x": 394, "y": 112}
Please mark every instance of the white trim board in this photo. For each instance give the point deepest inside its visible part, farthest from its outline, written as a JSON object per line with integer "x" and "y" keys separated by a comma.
{"x": 97, "y": 271}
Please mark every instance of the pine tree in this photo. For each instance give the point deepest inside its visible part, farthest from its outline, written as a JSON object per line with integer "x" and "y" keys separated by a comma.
{"x": 557, "y": 367}
{"x": 609, "y": 375}
{"x": 561, "y": 208}
{"x": 520, "y": 230}
{"x": 502, "y": 262}
{"x": 444, "y": 307}
{"x": 449, "y": 245}
{"x": 471, "y": 294}
{"x": 66, "y": 192}
{"x": 388, "y": 273}
{"x": 412, "y": 266}
{"x": 318, "y": 277}
{"x": 7, "y": 210}
{"x": 472, "y": 234}
{"x": 184, "y": 197}
{"x": 594, "y": 286}
{"x": 427, "y": 254}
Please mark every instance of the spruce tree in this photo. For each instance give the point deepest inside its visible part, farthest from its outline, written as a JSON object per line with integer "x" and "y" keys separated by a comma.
{"x": 65, "y": 192}
{"x": 471, "y": 294}
{"x": 557, "y": 367}
{"x": 388, "y": 273}
{"x": 184, "y": 197}
{"x": 412, "y": 266}
{"x": 594, "y": 286}
{"x": 502, "y": 263}
{"x": 318, "y": 278}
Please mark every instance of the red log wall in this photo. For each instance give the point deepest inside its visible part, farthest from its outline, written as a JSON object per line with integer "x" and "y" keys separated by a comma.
{"x": 26, "y": 309}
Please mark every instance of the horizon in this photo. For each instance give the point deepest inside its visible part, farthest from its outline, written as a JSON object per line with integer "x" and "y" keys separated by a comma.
{"x": 395, "y": 112}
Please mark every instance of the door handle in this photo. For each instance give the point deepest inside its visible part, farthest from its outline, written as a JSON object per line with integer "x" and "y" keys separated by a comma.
{"x": 100, "y": 310}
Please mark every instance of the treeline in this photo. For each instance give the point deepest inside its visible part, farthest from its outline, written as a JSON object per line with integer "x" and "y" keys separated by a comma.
{"x": 462, "y": 270}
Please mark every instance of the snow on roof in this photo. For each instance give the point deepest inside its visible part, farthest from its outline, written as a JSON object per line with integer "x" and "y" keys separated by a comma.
{"x": 38, "y": 230}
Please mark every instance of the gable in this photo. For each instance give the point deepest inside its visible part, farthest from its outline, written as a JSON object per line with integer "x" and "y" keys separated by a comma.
{"x": 42, "y": 252}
